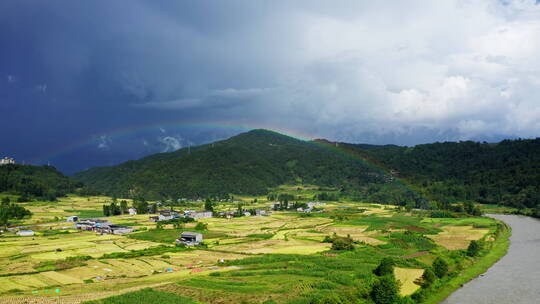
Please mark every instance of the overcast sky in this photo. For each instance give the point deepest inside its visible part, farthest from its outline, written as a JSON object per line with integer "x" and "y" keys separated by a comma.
{"x": 72, "y": 73}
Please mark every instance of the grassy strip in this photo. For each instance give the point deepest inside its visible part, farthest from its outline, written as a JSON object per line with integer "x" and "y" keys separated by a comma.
{"x": 499, "y": 249}
{"x": 67, "y": 263}
{"x": 145, "y": 295}
{"x": 151, "y": 251}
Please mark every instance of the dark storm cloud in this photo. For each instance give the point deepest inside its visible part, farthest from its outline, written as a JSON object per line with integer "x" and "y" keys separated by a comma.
{"x": 350, "y": 70}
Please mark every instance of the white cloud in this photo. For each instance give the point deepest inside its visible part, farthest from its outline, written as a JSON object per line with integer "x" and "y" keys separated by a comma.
{"x": 468, "y": 68}
{"x": 170, "y": 143}
{"x": 42, "y": 88}
{"x": 104, "y": 142}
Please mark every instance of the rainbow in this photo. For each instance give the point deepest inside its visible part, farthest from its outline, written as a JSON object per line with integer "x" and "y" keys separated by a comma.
{"x": 132, "y": 130}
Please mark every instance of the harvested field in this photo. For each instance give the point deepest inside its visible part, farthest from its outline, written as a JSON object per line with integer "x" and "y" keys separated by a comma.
{"x": 407, "y": 277}
{"x": 458, "y": 237}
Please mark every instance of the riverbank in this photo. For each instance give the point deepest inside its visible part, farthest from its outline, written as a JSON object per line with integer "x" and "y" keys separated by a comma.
{"x": 499, "y": 249}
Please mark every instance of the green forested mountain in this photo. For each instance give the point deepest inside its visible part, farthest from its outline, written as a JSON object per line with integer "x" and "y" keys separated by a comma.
{"x": 33, "y": 181}
{"x": 504, "y": 173}
{"x": 507, "y": 172}
{"x": 248, "y": 163}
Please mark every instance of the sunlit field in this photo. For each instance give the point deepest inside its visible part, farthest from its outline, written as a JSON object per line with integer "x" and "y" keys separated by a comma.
{"x": 281, "y": 257}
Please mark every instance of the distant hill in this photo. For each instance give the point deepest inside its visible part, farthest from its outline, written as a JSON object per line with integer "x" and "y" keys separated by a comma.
{"x": 507, "y": 172}
{"x": 248, "y": 163}
{"x": 34, "y": 181}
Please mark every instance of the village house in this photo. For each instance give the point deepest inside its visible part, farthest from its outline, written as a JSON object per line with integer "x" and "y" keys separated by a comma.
{"x": 91, "y": 224}
{"x": 132, "y": 211}
{"x": 153, "y": 218}
{"x": 226, "y": 214}
{"x": 72, "y": 218}
{"x": 190, "y": 238}
{"x": 7, "y": 161}
{"x": 25, "y": 233}
{"x": 260, "y": 212}
{"x": 102, "y": 226}
{"x": 200, "y": 214}
{"x": 166, "y": 215}
{"x": 247, "y": 213}
{"x": 114, "y": 229}
{"x": 314, "y": 204}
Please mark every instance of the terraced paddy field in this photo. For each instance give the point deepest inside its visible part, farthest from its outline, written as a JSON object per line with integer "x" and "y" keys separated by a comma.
{"x": 281, "y": 258}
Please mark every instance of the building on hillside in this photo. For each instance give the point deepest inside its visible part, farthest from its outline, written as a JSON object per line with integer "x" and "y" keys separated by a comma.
{"x": 7, "y": 161}
{"x": 190, "y": 238}
{"x": 200, "y": 214}
{"x": 72, "y": 218}
{"x": 25, "y": 233}
{"x": 132, "y": 211}
{"x": 153, "y": 218}
{"x": 247, "y": 213}
{"x": 166, "y": 215}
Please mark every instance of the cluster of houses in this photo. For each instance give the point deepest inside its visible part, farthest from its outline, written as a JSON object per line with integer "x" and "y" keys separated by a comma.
{"x": 7, "y": 161}
{"x": 165, "y": 215}
{"x": 101, "y": 226}
{"x": 306, "y": 208}
{"x": 231, "y": 214}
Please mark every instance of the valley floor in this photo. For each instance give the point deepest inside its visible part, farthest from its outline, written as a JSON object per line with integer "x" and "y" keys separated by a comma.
{"x": 280, "y": 258}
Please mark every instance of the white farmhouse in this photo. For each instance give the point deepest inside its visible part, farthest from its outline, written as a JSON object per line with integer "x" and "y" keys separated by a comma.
{"x": 25, "y": 233}
{"x": 7, "y": 161}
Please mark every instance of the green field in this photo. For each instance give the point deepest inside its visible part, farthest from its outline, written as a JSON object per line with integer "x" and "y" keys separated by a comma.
{"x": 279, "y": 258}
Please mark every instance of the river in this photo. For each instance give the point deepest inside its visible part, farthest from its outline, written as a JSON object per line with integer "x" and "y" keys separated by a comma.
{"x": 513, "y": 279}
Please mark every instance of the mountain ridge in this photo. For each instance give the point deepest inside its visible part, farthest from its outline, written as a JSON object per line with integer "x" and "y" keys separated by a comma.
{"x": 248, "y": 163}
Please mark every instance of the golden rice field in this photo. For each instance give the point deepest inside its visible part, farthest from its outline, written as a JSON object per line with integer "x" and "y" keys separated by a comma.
{"x": 227, "y": 239}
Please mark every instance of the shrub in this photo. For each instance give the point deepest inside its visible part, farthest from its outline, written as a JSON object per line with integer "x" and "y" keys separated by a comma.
{"x": 440, "y": 267}
{"x": 385, "y": 290}
{"x": 386, "y": 267}
{"x": 428, "y": 278}
{"x": 201, "y": 226}
{"x": 474, "y": 248}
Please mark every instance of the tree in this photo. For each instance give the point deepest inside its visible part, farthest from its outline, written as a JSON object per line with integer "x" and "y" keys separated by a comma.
{"x": 153, "y": 208}
{"x": 474, "y": 248}
{"x": 51, "y": 196}
{"x": 177, "y": 224}
{"x": 342, "y": 243}
{"x": 10, "y": 212}
{"x": 114, "y": 209}
{"x": 201, "y": 226}
{"x": 440, "y": 267}
{"x": 428, "y": 277}
{"x": 208, "y": 206}
{"x": 141, "y": 206}
{"x": 6, "y": 200}
{"x": 123, "y": 207}
{"x": 106, "y": 210}
{"x": 386, "y": 267}
{"x": 385, "y": 290}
